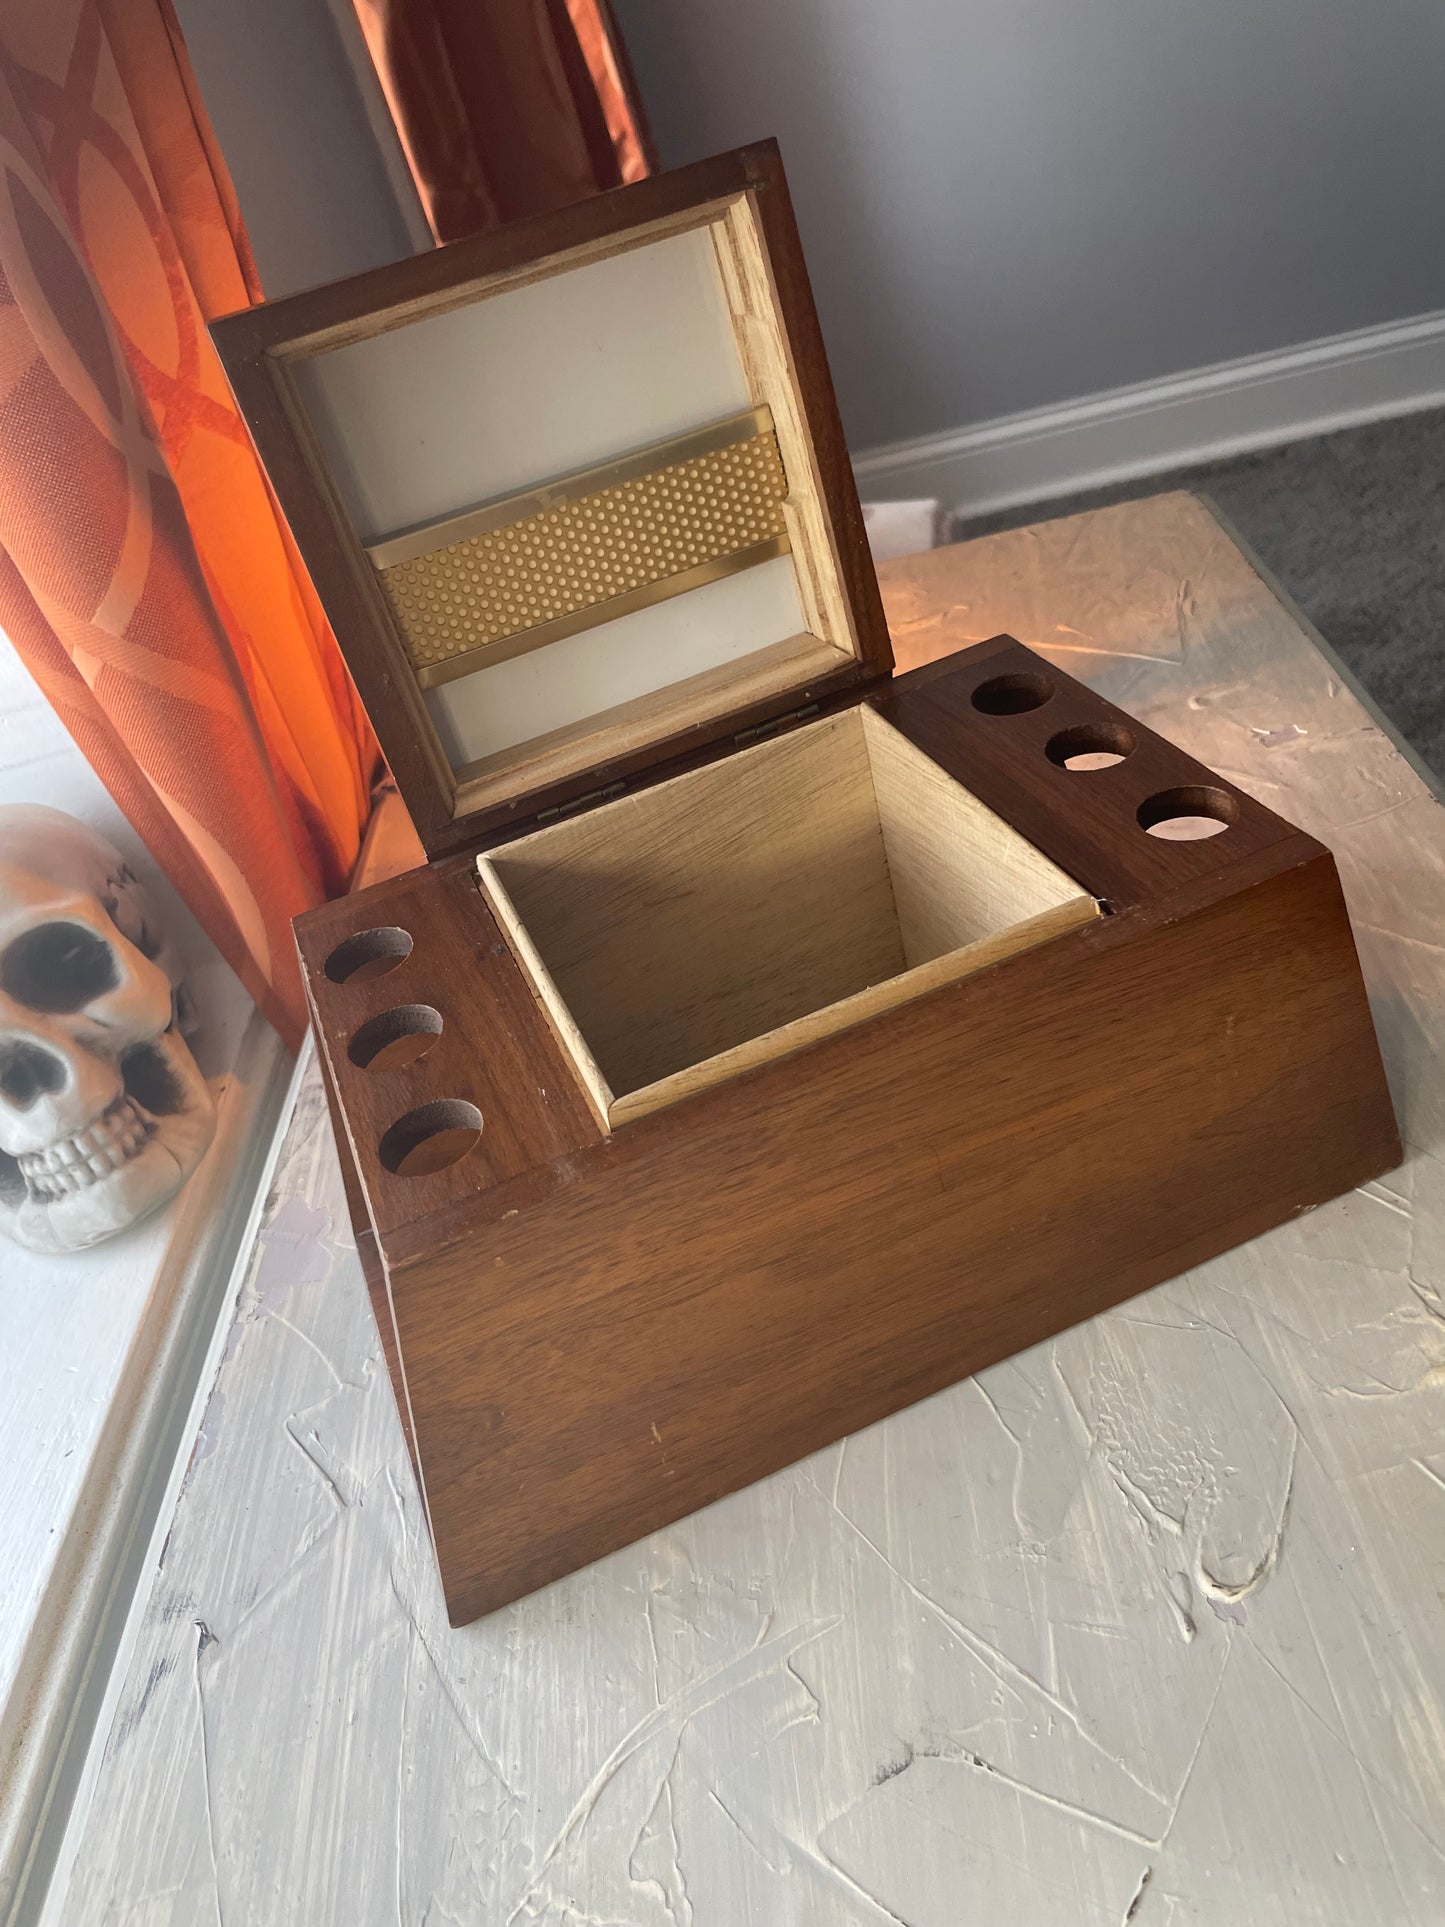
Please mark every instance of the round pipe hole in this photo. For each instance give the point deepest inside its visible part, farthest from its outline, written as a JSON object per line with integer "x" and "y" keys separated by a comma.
{"x": 1012, "y": 695}
{"x": 1187, "y": 815}
{"x": 396, "y": 1038}
{"x": 1090, "y": 746}
{"x": 430, "y": 1138}
{"x": 370, "y": 953}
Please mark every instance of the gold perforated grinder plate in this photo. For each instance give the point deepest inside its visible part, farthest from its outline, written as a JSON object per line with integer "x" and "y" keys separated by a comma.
{"x": 592, "y": 554}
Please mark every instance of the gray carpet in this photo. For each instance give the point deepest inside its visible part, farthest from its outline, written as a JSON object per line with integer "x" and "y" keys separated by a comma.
{"x": 1353, "y": 527}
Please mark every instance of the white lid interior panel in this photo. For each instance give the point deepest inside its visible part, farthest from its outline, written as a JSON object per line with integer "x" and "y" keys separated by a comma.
{"x": 516, "y": 701}
{"x": 487, "y": 399}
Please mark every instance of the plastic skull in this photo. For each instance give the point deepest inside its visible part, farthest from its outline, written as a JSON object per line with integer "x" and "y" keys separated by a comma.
{"x": 103, "y": 1113}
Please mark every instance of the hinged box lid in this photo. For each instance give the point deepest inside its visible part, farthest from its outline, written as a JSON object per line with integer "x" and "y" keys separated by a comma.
{"x": 574, "y": 493}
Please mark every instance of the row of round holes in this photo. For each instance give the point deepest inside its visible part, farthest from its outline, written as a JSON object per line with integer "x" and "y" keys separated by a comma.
{"x": 431, "y": 1136}
{"x": 1184, "y": 815}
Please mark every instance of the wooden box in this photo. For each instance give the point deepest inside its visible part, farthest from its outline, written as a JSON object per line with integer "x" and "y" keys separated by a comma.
{"x": 769, "y": 1041}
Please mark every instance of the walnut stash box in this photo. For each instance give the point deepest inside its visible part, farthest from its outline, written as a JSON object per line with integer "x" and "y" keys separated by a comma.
{"x": 770, "y": 1041}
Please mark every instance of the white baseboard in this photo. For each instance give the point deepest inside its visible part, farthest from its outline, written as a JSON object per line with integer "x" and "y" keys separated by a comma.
{"x": 1161, "y": 425}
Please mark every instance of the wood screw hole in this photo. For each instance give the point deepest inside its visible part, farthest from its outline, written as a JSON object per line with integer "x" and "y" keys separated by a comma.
{"x": 368, "y": 954}
{"x": 1090, "y": 746}
{"x": 430, "y": 1138}
{"x": 1012, "y": 695}
{"x": 395, "y": 1038}
{"x": 1187, "y": 815}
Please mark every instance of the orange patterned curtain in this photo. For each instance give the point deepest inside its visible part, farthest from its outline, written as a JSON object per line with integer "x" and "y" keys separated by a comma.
{"x": 506, "y": 107}
{"x": 146, "y": 577}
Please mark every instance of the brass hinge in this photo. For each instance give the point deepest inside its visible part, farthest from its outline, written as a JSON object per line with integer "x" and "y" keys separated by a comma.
{"x": 604, "y": 795}
{"x": 775, "y": 724}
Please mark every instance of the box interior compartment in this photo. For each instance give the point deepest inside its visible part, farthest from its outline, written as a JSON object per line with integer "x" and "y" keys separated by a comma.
{"x": 590, "y": 501}
{"x": 736, "y": 913}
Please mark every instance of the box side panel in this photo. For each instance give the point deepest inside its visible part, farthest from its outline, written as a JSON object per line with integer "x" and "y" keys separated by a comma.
{"x": 962, "y": 1180}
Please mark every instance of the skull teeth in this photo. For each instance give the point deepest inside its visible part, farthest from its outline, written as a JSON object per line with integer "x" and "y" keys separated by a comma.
{"x": 107, "y": 1143}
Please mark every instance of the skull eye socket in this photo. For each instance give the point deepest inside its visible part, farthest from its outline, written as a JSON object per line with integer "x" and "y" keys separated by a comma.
{"x": 150, "y": 1080}
{"x": 58, "y": 967}
{"x": 28, "y": 1072}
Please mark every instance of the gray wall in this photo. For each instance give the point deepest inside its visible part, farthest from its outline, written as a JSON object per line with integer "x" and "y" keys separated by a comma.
{"x": 294, "y": 126}
{"x": 1010, "y": 203}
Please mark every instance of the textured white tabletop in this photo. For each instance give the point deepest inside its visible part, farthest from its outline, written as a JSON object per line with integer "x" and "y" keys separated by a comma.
{"x": 1142, "y": 1626}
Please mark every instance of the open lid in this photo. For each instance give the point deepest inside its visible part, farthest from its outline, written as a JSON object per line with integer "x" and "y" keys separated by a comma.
{"x": 574, "y": 492}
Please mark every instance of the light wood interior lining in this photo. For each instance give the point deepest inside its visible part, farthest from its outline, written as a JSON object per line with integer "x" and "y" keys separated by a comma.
{"x": 732, "y": 915}
{"x": 772, "y": 379}
{"x": 954, "y": 877}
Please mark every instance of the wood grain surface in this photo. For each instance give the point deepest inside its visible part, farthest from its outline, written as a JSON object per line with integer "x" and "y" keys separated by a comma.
{"x": 938, "y": 1191}
{"x": 494, "y": 1048}
{"x": 597, "y": 1333}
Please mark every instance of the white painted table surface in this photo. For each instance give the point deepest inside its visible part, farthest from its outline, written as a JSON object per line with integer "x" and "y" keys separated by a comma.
{"x": 1142, "y": 1626}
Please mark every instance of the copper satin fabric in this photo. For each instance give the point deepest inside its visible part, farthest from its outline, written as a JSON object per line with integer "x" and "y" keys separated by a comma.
{"x": 146, "y": 577}
{"x": 504, "y": 107}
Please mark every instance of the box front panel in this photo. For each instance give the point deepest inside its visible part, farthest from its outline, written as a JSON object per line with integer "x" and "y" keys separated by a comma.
{"x": 962, "y": 1179}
